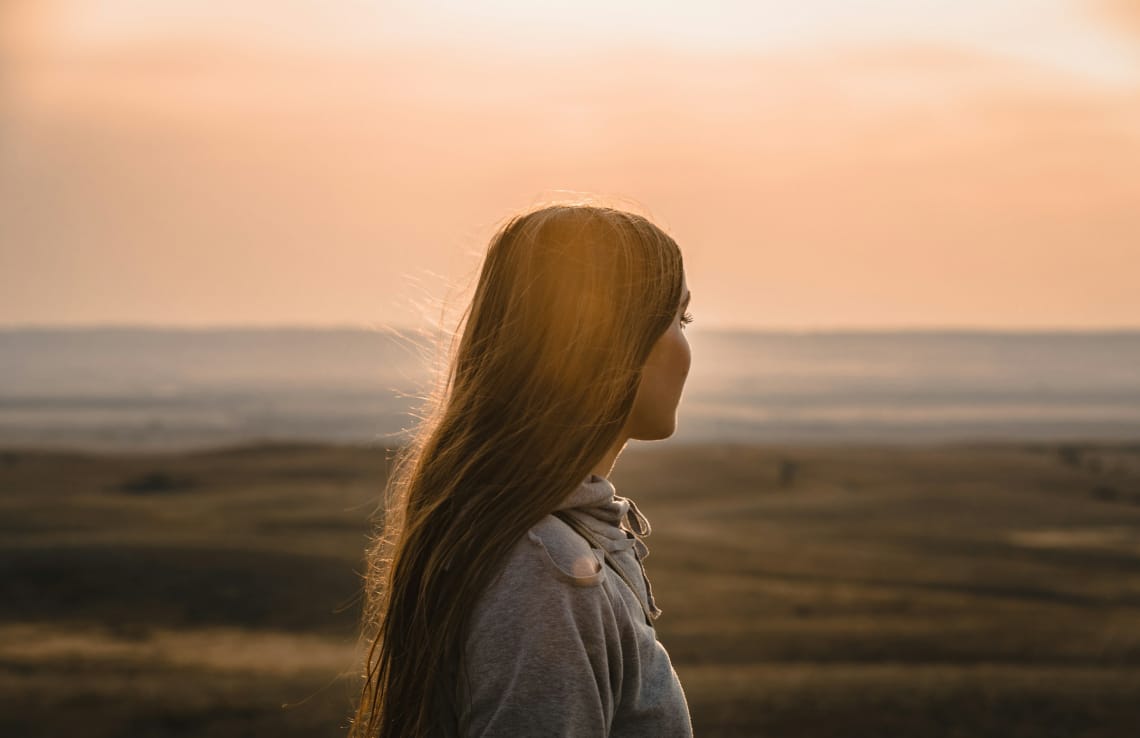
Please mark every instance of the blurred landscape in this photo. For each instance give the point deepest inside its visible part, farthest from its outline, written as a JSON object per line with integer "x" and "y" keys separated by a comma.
{"x": 131, "y": 388}
{"x": 859, "y": 590}
{"x": 855, "y": 534}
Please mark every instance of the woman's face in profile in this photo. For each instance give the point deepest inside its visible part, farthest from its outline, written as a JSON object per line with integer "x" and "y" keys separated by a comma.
{"x": 654, "y": 414}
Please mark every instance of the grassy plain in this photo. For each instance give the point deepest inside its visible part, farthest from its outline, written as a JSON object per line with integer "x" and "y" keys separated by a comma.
{"x": 952, "y": 590}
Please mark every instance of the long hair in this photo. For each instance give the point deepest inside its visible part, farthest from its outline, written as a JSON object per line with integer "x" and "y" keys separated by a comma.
{"x": 569, "y": 302}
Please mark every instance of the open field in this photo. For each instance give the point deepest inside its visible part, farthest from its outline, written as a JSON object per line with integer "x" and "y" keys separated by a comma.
{"x": 989, "y": 590}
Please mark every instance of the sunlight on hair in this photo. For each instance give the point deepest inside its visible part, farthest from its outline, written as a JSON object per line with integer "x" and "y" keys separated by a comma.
{"x": 542, "y": 375}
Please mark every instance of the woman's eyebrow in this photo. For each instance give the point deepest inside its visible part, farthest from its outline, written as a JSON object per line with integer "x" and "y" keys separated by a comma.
{"x": 688, "y": 296}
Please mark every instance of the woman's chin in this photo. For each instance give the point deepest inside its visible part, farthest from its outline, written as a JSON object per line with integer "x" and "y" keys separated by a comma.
{"x": 665, "y": 430}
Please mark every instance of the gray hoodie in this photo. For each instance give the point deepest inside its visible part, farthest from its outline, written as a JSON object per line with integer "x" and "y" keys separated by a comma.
{"x": 561, "y": 645}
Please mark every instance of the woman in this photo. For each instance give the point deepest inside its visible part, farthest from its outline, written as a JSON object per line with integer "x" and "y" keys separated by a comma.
{"x": 506, "y": 596}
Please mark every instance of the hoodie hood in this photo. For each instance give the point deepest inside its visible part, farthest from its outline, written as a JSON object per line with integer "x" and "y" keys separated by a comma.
{"x": 617, "y": 524}
{"x": 596, "y": 503}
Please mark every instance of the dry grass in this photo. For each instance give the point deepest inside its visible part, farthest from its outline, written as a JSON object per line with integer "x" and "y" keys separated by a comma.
{"x": 858, "y": 591}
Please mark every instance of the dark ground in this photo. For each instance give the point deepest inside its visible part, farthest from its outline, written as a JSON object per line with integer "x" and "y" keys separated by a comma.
{"x": 989, "y": 590}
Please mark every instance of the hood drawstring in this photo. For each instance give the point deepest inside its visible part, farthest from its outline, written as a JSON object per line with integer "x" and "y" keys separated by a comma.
{"x": 639, "y": 526}
{"x": 596, "y": 498}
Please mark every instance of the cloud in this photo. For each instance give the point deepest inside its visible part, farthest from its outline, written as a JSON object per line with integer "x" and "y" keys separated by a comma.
{"x": 1121, "y": 15}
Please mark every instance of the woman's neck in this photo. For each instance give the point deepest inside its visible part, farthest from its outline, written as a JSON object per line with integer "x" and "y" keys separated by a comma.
{"x": 606, "y": 465}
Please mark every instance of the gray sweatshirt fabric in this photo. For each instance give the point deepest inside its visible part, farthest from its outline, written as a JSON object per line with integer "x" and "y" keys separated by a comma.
{"x": 560, "y": 645}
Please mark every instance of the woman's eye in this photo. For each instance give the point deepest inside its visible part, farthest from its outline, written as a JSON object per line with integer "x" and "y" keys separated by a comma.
{"x": 686, "y": 319}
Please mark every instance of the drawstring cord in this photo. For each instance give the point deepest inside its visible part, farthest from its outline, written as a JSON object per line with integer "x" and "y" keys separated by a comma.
{"x": 639, "y": 527}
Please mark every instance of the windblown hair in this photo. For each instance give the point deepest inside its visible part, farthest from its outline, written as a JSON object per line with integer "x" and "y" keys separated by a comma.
{"x": 569, "y": 303}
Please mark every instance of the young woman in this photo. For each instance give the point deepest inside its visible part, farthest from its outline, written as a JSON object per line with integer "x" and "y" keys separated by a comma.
{"x": 506, "y": 595}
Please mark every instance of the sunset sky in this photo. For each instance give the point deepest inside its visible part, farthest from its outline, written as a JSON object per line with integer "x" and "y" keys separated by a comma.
{"x": 838, "y": 164}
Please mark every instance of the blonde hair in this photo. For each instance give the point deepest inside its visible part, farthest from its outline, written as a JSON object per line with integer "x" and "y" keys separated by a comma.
{"x": 570, "y": 301}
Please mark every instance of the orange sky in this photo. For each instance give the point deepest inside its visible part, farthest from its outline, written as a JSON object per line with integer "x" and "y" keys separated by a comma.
{"x": 976, "y": 164}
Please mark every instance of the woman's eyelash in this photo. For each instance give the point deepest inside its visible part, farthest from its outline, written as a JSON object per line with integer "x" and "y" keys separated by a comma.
{"x": 686, "y": 319}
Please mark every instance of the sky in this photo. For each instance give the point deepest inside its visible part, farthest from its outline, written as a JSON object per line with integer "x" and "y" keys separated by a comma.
{"x": 823, "y": 165}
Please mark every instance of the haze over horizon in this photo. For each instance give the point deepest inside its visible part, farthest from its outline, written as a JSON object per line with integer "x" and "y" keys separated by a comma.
{"x": 970, "y": 164}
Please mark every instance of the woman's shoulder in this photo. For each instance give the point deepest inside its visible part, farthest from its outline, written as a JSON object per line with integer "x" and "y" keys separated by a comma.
{"x": 551, "y": 555}
{"x": 550, "y": 575}
{"x": 544, "y": 641}
{"x": 567, "y": 556}
{"x": 549, "y": 569}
